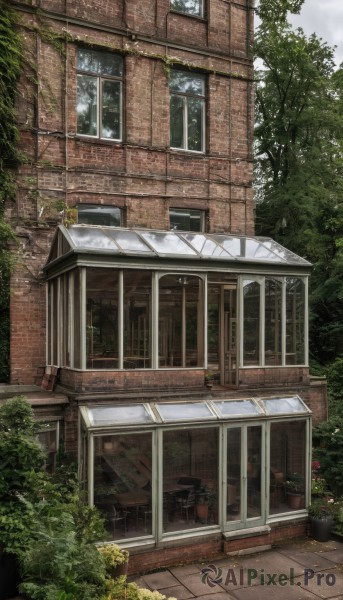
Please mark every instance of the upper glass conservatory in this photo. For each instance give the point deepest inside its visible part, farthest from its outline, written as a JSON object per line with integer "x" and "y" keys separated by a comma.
{"x": 142, "y": 299}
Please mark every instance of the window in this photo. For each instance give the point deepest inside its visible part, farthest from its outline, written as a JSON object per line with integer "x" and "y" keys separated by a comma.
{"x": 190, "y": 7}
{"x": 187, "y": 111}
{"x": 187, "y": 220}
{"x": 99, "y": 94}
{"x": 95, "y": 214}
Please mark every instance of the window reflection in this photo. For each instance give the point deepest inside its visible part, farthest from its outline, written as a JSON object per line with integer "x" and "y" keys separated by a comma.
{"x": 251, "y": 333}
{"x": 190, "y": 479}
{"x": 181, "y": 321}
{"x": 273, "y": 325}
{"x": 102, "y": 319}
{"x": 295, "y": 321}
{"x": 122, "y": 483}
{"x": 287, "y": 466}
{"x": 137, "y": 319}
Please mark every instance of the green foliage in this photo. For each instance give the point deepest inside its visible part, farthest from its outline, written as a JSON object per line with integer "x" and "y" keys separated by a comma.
{"x": 57, "y": 563}
{"x": 275, "y": 11}
{"x": 119, "y": 589}
{"x": 299, "y": 168}
{"x": 21, "y": 461}
{"x": 10, "y": 65}
{"x": 328, "y": 450}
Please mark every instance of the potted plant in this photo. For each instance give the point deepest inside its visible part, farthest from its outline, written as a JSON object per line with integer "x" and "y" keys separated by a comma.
{"x": 294, "y": 486}
{"x": 209, "y": 379}
{"x": 322, "y": 512}
{"x": 202, "y": 501}
{"x": 116, "y": 559}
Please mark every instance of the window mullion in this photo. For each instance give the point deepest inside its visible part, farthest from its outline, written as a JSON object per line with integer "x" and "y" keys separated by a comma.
{"x": 99, "y": 107}
{"x": 283, "y": 322}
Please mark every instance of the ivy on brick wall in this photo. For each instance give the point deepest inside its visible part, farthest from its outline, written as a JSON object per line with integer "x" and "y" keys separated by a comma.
{"x": 10, "y": 65}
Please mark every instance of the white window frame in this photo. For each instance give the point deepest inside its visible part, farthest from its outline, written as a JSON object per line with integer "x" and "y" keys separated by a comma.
{"x": 185, "y": 97}
{"x": 100, "y": 79}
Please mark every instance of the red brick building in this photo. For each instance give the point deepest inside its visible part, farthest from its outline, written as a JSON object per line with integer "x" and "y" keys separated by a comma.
{"x": 139, "y": 277}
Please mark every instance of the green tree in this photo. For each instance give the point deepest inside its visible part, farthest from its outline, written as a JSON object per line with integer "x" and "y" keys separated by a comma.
{"x": 299, "y": 166}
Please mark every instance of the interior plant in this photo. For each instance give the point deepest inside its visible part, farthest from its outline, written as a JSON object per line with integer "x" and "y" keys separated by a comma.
{"x": 294, "y": 486}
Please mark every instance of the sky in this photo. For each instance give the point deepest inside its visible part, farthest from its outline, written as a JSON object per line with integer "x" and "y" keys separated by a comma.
{"x": 325, "y": 18}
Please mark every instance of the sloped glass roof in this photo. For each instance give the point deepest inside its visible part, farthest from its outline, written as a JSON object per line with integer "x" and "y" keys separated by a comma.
{"x": 197, "y": 411}
{"x": 170, "y": 244}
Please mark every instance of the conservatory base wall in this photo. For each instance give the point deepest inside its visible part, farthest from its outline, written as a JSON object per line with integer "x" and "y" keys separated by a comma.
{"x": 210, "y": 547}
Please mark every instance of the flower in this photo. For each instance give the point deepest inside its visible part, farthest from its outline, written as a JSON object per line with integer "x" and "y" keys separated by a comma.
{"x": 322, "y": 507}
{"x": 315, "y": 465}
{"x": 113, "y": 555}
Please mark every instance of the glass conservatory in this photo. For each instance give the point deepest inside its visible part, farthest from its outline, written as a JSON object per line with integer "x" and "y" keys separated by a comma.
{"x": 125, "y": 299}
{"x": 162, "y": 470}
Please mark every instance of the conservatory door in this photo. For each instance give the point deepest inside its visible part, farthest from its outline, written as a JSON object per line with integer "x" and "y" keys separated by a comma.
{"x": 244, "y": 479}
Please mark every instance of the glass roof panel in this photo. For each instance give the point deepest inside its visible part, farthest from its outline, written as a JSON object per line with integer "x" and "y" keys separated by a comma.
{"x": 139, "y": 242}
{"x": 184, "y": 411}
{"x": 93, "y": 238}
{"x": 129, "y": 241}
{"x": 233, "y": 245}
{"x": 234, "y": 408}
{"x": 167, "y": 243}
{"x": 282, "y": 252}
{"x": 119, "y": 414}
{"x": 284, "y": 406}
{"x": 205, "y": 246}
{"x": 256, "y": 249}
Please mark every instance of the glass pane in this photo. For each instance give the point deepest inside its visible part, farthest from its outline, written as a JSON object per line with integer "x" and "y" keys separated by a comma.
{"x": 95, "y": 238}
{"x": 48, "y": 439}
{"x": 102, "y": 63}
{"x": 233, "y": 408}
{"x": 256, "y": 249}
{"x": 195, "y": 124}
{"x": 130, "y": 242}
{"x": 273, "y": 315}
{"x": 122, "y": 483}
{"x": 191, "y": 7}
{"x": 187, "y": 83}
{"x": 287, "y": 483}
{"x": 213, "y": 339}
{"x": 190, "y": 479}
{"x": 205, "y": 246}
{"x": 183, "y": 411}
{"x": 177, "y": 107}
{"x": 284, "y": 406}
{"x": 102, "y": 318}
{"x": 181, "y": 321}
{"x": 77, "y": 320}
{"x": 295, "y": 321}
{"x": 254, "y": 436}
{"x": 119, "y": 415}
{"x": 233, "y": 492}
{"x": 87, "y": 105}
{"x": 167, "y": 243}
{"x": 55, "y": 323}
{"x": 137, "y": 319}
{"x": 187, "y": 220}
{"x": 49, "y": 323}
{"x": 251, "y": 333}
{"x": 110, "y": 105}
{"x": 94, "y": 214}
{"x": 234, "y": 246}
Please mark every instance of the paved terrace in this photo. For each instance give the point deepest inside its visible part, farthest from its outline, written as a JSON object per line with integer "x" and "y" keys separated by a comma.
{"x": 301, "y": 570}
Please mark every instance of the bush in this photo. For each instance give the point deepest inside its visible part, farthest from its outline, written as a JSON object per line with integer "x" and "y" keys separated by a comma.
{"x": 328, "y": 450}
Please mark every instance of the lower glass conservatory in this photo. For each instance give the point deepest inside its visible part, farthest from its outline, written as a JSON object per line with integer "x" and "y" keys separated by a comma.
{"x": 163, "y": 470}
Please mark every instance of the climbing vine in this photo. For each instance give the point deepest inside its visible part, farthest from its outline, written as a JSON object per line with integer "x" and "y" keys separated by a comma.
{"x": 10, "y": 65}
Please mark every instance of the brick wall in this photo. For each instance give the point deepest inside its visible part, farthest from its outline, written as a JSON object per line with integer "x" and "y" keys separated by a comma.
{"x": 141, "y": 174}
